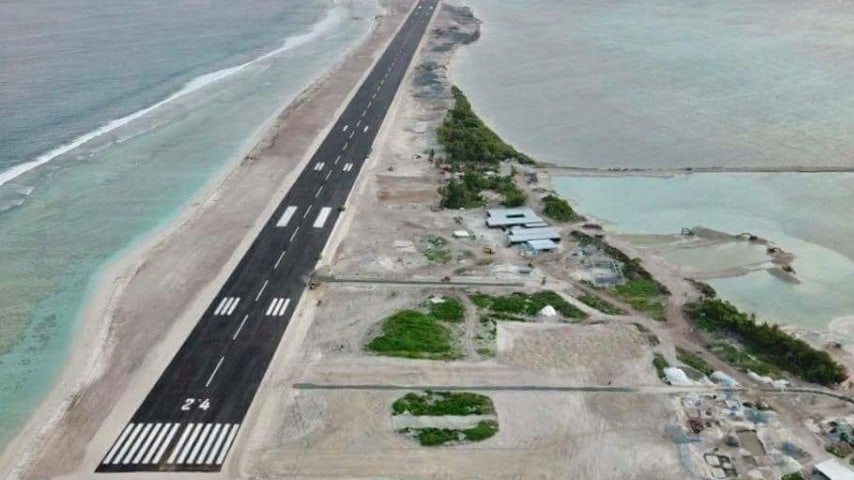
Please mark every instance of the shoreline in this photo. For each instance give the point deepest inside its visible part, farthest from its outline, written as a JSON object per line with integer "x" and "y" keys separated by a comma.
{"x": 92, "y": 345}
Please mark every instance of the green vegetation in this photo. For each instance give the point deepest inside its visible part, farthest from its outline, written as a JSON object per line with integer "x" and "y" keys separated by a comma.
{"x": 558, "y": 209}
{"x": 740, "y": 359}
{"x": 766, "y": 342}
{"x": 792, "y": 476}
{"x": 839, "y": 449}
{"x": 601, "y": 305}
{"x": 466, "y": 139}
{"x": 509, "y": 307}
{"x": 465, "y": 193}
{"x": 704, "y": 288}
{"x": 443, "y": 403}
{"x": 694, "y": 361}
{"x": 476, "y": 151}
{"x": 643, "y": 295}
{"x": 412, "y": 334}
{"x": 450, "y": 309}
{"x": 437, "y": 250}
{"x": 660, "y": 363}
{"x": 431, "y": 437}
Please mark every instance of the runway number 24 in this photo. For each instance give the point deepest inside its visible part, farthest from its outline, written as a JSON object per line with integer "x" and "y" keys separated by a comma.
{"x": 202, "y": 404}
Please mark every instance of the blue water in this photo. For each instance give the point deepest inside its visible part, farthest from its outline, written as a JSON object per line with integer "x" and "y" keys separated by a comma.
{"x": 77, "y": 67}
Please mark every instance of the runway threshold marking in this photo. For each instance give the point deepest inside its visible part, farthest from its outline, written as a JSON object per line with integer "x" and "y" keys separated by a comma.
{"x": 227, "y": 306}
{"x": 321, "y": 217}
{"x": 216, "y": 369}
{"x": 286, "y": 216}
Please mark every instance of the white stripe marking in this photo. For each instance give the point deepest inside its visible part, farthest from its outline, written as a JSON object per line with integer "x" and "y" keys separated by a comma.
{"x": 216, "y": 369}
{"x": 180, "y": 443}
{"x": 147, "y": 443}
{"x": 318, "y": 166}
{"x": 240, "y": 327}
{"x": 186, "y": 450}
{"x": 198, "y": 445}
{"x": 364, "y": 112}
{"x": 166, "y": 443}
{"x": 128, "y": 443}
{"x": 352, "y": 133}
{"x": 227, "y": 444}
{"x": 318, "y": 191}
{"x": 281, "y": 255}
{"x": 286, "y": 217}
{"x": 345, "y": 128}
{"x": 369, "y": 103}
{"x": 118, "y": 443}
{"x": 221, "y": 305}
{"x": 233, "y": 306}
{"x": 345, "y": 146}
{"x": 222, "y": 435}
{"x": 337, "y": 158}
{"x": 208, "y": 444}
{"x": 322, "y": 216}
{"x": 328, "y": 174}
{"x": 283, "y": 307}
{"x": 306, "y": 211}
{"x": 366, "y": 128}
{"x": 137, "y": 444}
{"x": 266, "y": 282}
{"x": 294, "y": 234}
{"x": 359, "y": 122}
{"x": 374, "y": 95}
{"x": 271, "y": 307}
{"x": 157, "y": 439}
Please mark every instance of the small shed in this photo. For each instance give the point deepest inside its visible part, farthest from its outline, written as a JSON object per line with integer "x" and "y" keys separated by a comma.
{"x": 833, "y": 470}
{"x": 522, "y": 235}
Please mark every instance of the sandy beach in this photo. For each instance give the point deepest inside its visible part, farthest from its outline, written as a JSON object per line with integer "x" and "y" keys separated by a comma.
{"x": 146, "y": 302}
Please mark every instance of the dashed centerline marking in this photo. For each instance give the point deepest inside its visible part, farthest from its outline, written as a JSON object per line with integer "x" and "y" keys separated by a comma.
{"x": 282, "y": 255}
{"x": 318, "y": 191}
{"x": 306, "y": 211}
{"x": 240, "y": 327}
{"x": 345, "y": 128}
{"x": 352, "y": 133}
{"x": 262, "y": 290}
{"x": 366, "y": 128}
{"x": 328, "y": 174}
{"x": 294, "y": 235}
{"x": 345, "y": 146}
{"x": 337, "y": 158}
{"x": 216, "y": 369}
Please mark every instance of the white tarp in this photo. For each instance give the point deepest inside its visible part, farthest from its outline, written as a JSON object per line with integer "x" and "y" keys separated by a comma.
{"x": 547, "y": 311}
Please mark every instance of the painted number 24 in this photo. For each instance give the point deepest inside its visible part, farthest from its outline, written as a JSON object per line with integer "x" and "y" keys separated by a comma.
{"x": 200, "y": 403}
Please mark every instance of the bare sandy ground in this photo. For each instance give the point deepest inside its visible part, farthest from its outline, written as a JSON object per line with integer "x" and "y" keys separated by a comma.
{"x": 149, "y": 300}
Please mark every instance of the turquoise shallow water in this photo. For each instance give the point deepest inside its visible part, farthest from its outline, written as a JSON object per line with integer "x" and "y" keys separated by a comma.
{"x": 62, "y": 221}
{"x": 779, "y": 207}
{"x": 667, "y": 83}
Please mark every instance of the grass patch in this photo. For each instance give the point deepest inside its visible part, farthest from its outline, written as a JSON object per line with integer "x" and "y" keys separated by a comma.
{"x": 450, "y": 310}
{"x": 437, "y": 251}
{"x": 432, "y": 437}
{"x": 558, "y": 209}
{"x": 519, "y": 303}
{"x": 443, "y": 403}
{"x": 694, "y": 361}
{"x": 660, "y": 363}
{"x": 601, "y": 305}
{"x": 412, "y": 334}
{"x": 740, "y": 359}
{"x": 792, "y": 476}
{"x": 766, "y": 343}
{"x": 644, "y": 295}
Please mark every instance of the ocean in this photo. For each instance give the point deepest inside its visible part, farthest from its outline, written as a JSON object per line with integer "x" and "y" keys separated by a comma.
{"x": 667, "y": 83}
{"x": 114, "y": 115}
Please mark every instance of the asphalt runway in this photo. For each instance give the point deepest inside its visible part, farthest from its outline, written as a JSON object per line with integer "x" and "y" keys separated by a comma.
{"x": 191, "y": 418}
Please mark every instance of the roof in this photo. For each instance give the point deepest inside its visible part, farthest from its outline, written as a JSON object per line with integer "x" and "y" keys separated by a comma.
{"x": 834, "y": 470}
{"x": 519, "y": 235}
{"x": 541, "y": 244}
{"x": 505, "y": 217}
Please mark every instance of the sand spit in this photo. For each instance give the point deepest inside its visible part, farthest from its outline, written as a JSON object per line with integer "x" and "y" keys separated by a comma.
{"x": 149, "y": 300}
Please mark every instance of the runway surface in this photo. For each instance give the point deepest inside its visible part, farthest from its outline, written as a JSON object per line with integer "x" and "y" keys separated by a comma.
{"x": 192, "y": 416}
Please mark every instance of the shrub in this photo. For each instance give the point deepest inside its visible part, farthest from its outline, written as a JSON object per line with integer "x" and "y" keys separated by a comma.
{"x": 412, "y": 334}
{"x": 443, "y": 403}
{"x": 450, "y": 310}
{"x": 660, "y": 363}
{"x": 558, "y": 209}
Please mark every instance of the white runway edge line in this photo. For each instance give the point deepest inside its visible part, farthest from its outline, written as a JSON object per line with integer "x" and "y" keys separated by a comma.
{"x": 216, "y": 369}
{"x": 227, "y": 306}
{"x": 321, "y": 217}
{"x": 278, "y": 307}
{"x": 286, "y": 217}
